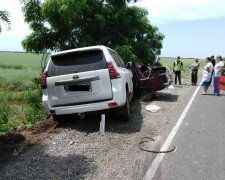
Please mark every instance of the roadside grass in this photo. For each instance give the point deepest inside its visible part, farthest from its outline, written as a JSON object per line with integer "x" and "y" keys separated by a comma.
{"x": 20, "y": 94}
{"x": 9, "y": 66}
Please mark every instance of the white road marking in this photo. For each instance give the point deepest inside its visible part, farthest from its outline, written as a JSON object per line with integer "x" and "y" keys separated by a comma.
{"x": 155, "y": 164}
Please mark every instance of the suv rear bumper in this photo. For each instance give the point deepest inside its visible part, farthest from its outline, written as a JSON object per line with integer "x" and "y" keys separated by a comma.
{"x": 119, "y": 97}
{"x": 77, "y": 108}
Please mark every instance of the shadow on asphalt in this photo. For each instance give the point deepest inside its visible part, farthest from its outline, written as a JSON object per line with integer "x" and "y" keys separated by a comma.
{"x": 17, "y": 141}
{"x": 38, "y": 164}
{"x": 167, "y": 97}
{"x": 8, "y": 144}
{"x": 211, "y": 94}
{"x": 114, "y": 124}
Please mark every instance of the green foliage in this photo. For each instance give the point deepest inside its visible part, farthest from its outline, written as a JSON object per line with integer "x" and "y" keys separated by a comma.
{"x": 34, "y": 115}
{"x": 4, "y": 97}
{"x": 4, "y": 17}
{"x": 36, "y": 82}
{"x": 126, "y": 53}
{"x": 34, "y": 112}
{"x": 5, "y": 127}
{"x": 33, "y": 97}
{"x": 66, "y": 24}
{"x": 4, "y": 113}
{"x": 11, "y": 116}
{"x": 4, "y": 118}
{"x": 12, "y": 97}
{"x": 20, "y": 94}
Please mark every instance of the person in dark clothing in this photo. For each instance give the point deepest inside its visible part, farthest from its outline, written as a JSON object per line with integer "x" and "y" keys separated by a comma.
{"x": 177, "y": 68}
{"x": 194, "y": 72}
{"x": 213, "y": 61}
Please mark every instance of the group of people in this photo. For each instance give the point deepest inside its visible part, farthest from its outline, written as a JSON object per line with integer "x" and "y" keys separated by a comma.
{"x": 212, "y": 70}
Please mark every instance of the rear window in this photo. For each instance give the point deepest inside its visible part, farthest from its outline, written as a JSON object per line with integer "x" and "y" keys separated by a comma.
{"x": 76, "y": 62}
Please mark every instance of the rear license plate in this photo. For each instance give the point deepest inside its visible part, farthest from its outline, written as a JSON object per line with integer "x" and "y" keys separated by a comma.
{"x": 85, "y": 87}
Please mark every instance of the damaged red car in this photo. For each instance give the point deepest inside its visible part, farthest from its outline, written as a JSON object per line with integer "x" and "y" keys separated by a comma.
{"x": 152, "y": 78}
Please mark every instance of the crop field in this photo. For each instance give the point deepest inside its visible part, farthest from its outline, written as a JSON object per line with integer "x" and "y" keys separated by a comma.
{"x": 18, "y": 69}
{"x": 20, "y": 96}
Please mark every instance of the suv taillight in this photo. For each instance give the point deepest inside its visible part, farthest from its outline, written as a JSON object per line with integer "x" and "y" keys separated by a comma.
{"x": 43, "y": 82}
{"x": 113, "y": 73}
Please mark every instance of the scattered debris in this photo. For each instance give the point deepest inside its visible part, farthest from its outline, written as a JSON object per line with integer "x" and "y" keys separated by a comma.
{"x": 71, "y": 142}
{"x": 152, "y": 108}
{"x": 171, "y": 87}
{"x": 148, "y": 139}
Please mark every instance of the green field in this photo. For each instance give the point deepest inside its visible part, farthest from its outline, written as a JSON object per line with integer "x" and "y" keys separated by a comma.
{"x": 20, "y": 96}
{"x": 17, "y": 70}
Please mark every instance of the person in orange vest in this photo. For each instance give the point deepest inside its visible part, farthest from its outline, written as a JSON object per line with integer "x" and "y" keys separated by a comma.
{"x": 217, "y": 74}
{"x": 177, "y": 68}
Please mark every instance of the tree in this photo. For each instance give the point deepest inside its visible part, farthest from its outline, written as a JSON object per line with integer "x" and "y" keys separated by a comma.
{"x": 64, "y": 24}
{"x": 4, "y": 17}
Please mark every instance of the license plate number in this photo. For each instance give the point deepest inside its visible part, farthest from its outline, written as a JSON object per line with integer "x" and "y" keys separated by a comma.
{"x": 85, "y": 87}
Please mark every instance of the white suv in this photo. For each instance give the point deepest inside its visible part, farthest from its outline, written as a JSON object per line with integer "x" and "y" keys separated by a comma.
{"x": 85, "y": 80}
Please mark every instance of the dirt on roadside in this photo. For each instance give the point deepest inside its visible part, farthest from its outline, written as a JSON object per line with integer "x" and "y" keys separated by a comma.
{"x": 16, "y": 141}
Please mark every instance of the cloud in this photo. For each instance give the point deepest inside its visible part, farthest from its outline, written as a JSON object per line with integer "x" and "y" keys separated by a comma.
{"x": 163, "y": 11}
{"x": 160, "y": 12}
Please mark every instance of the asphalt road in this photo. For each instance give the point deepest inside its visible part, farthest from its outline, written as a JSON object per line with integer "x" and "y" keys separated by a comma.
{"x": 200, "y": 142}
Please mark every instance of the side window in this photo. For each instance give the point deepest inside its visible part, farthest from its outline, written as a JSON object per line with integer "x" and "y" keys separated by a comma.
{"x": 121, "y": 60}
{"x": 114, "y": 56}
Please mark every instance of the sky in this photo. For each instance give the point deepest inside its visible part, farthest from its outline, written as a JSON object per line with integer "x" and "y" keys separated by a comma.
{"x": 192, "y": 28}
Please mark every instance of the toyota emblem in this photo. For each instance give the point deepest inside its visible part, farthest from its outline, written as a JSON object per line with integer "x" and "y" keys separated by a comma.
{"x": 75, "y": 77}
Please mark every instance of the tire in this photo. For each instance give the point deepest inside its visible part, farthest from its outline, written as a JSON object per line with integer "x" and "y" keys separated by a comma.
{"x": 125, "y": 110}
{"x": 135, "y": 85}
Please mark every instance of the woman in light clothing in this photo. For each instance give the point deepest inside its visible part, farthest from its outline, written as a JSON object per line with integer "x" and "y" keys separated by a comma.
{"x": 207, "y": 73}
{"x": 217, "y": 73}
